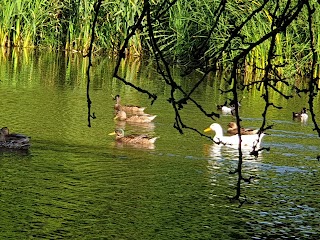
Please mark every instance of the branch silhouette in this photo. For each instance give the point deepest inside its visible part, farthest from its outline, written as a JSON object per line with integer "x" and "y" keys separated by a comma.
{"x": 89, "y": 55}
{"x": 208, "y": 62}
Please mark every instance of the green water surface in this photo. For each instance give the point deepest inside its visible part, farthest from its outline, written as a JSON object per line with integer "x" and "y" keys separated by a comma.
{"x": 76, "y": 183}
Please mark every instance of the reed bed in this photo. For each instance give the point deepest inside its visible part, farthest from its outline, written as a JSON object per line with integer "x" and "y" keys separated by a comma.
{"x": 184, "y": 33}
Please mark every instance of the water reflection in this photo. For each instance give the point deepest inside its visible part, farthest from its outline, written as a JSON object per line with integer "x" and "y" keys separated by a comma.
{"x": 122, "y": 145}
{"x": 142, "y": 127}
{"x": 221, "y": 152}
{"x": 21, "y": 152}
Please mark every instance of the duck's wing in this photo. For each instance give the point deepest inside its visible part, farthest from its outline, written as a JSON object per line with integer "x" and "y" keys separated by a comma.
{"x": 133, "y": 108}
{"x": 17, "y": 138}
{"x": 248, "y": 131}
{"x": 246, "y": 140}
{"x": 140, "y": 139}
{"x": 22, "y": 143}
{"x": 244, "y": 131}
{"x": 252, "y": 140}
{"x": 232, "y": 131}
{"x": 227, "y": 140}
{"x": 141, "y": 118}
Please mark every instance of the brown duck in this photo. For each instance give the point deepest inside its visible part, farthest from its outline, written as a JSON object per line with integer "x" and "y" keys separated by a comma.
{"x": 127, "y": 108}
{"x": 133, "y": 138}
{"x": 146, "y": 118}
{"x": 13, "y": 140}
{"x": 233, "y": 130}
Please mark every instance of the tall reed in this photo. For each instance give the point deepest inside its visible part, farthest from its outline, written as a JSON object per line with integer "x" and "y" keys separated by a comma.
{"x": 184, "y": 33}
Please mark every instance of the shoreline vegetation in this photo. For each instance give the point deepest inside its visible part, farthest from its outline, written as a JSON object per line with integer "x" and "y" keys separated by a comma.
{"x": 66, "y": 25}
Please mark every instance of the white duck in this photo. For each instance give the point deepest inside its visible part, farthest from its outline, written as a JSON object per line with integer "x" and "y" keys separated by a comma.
{"x": 302, "y": 116}
{"x": 253, "y": 140}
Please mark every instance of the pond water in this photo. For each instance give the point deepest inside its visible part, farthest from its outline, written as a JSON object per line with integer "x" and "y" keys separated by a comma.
{"x": 76, "y": 183}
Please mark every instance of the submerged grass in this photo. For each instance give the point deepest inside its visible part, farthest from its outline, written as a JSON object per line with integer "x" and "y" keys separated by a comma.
{"x": 184, "y": 32}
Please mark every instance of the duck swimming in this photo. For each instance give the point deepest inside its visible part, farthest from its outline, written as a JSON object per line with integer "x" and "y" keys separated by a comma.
{"x": 146, "y": 118}
{"x": 13, "y": 140}
{"x": 127, "y": 108}
{"x": 252, "y": 140}
{"x": 233, "y": 130}
{"x": 228, "y": 109}
{"x": 219, "y": 107}
{"x": 133, "y": 139}
{"x": 301, "y": 116}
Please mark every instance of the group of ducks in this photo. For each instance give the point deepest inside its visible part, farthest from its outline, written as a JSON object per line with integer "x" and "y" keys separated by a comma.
{"x": 135, "y": 114}
{"x": 300, "y": 116}
{"x": 229, "y": 109}
{"x": 132, "y": 114}
{"x": 13, "y": 140}
{"x": 249, "y": 137}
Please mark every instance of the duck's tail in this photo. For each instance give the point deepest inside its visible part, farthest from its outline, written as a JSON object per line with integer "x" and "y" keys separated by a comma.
{"x": 153, "y": 140}
{"x": 152, "y": 117}
{"x": 294, "y": 115}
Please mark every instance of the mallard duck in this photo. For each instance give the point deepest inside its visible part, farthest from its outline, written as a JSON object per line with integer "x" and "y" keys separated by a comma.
{"x": 146, "y": 118}
{"x": 253, "y": 140}
{"x": 233, "y": 130}
{"x": 127, "y": 108}
{"x": 14, "y": 140}
{"x": 302, "y": 116}
{"x": 219, "y": 107}
{"x": 133, "y": 139}
{"x": 227, "y": 109}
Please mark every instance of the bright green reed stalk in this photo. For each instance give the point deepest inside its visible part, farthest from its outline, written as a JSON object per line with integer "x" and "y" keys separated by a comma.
{"x": 6, "y": 11}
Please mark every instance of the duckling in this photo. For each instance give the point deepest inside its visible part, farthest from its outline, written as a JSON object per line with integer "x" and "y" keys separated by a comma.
{"x": 14, "y": 140}
{"x": 302, "y": 116}
{"x": 132, "y": 139}
{"x": 233, "y": 130}
{"x": 146, "y": 118}
{"x": 127, "y": 108}
{"x": 253, "y": 140}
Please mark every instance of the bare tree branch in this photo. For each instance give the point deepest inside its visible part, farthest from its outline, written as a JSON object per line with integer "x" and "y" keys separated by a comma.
{"x": 89, "y": 55}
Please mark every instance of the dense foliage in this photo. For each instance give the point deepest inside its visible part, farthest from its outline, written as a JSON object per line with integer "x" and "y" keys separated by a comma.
{"x": 186, "y": 32}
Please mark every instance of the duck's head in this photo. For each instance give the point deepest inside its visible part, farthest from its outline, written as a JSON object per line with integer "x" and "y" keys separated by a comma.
{"x": 4, "y": 131}
{"x": 304, "y": 110}
{"x": 121, "y": 115}
{"x": 214, "y": 127}
{"x": 116, "y": 97}
{"x": 232, "y": 125}
{"x": 119, "y": 132}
